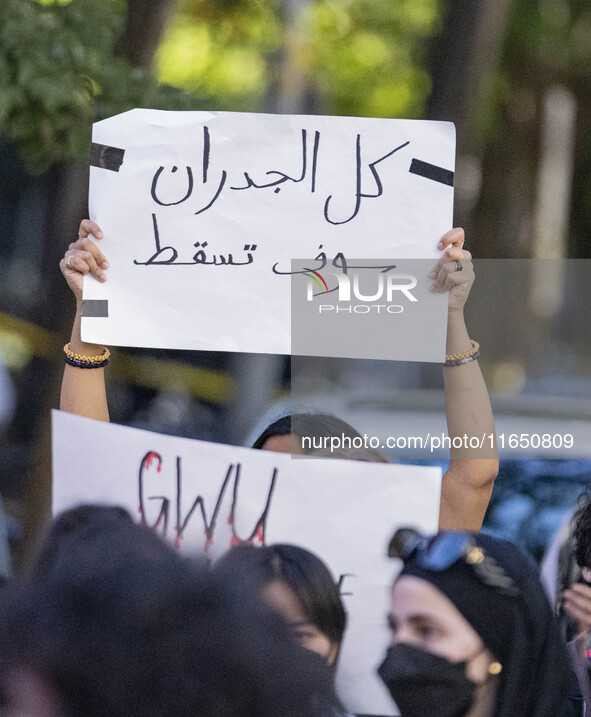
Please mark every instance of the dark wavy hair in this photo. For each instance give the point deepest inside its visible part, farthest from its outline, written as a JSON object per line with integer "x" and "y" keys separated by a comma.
{"x": 582, "y": 536}
{"x": 303, "y": 572}
{"x": 121, "y": 626}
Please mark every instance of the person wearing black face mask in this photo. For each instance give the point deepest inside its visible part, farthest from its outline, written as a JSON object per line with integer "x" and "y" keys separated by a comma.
{"x": 472, "y": 633}
{"x": 423, "y": 683}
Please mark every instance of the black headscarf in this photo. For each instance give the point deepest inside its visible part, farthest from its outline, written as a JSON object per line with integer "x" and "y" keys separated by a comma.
{"x": 519, "y": 630}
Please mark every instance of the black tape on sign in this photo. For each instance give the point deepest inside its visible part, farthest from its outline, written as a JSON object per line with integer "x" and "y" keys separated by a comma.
{"x": 95, "y": 307}
{"x": 432, "y": 171}
{"x": 105, "y": 157}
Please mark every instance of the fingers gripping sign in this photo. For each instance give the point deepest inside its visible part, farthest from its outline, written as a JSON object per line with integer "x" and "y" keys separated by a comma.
{"x": 83, "y": 391}
{"x": 454, "y": 272}
{"x": 84, "y": 257}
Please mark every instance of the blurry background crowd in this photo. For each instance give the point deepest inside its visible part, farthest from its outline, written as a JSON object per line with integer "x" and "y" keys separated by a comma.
{"x": 513, "y": 75}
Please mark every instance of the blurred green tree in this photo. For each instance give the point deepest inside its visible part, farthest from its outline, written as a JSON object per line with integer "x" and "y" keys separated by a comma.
{"x": 356, "y": 57}
{"x": 67, "y": 63}
{"x": 545, "y": 45}
{"x": 61, "y": 68}
{"x": 63, "y": 65}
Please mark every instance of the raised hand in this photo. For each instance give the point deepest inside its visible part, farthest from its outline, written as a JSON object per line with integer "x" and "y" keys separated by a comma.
{"x": 83, "y": 257}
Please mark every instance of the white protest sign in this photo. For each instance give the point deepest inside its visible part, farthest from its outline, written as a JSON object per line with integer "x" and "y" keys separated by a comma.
{"x": 210, "y": 496}
{"x": 203, "y": 213}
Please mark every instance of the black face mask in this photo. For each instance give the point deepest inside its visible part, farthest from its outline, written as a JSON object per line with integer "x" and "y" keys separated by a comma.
{"x": 321, "y": 662}
{"x": 426, "y": 685}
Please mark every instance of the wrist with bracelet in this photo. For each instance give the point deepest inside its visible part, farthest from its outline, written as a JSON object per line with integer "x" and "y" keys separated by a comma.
{"x": 82, "y": 361}
{"x": 466, "y": 357}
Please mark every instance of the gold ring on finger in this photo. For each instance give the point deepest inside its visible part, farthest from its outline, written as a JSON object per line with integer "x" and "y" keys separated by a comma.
{"x": 69, "y": 263}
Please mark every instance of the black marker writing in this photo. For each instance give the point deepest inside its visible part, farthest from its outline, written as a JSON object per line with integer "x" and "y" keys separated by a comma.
{"x": 339, "y": 262}
{"x": 358, "y": 193}
{"x": 275, "y": 179}
{"x": 160, "y": 250}
{"x": 161, "y": 522}
{"x": 168, "y": 255}
{"x": 155, "y": 184}
{"x": 259, "y": 530}
{"x": 181, "y": 524}
{"x": 198, "y": 507}
{"x": 341, "y": 583}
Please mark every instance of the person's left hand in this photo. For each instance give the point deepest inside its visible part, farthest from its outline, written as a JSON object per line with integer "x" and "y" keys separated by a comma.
{"x": 446, "y": 274}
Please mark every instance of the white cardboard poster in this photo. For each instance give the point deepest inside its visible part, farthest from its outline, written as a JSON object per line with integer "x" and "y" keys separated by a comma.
{"x": 203, "y": 213}
{"x": 344, "y": 511}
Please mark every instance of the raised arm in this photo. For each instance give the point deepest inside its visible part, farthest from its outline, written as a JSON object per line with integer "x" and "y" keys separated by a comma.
{"x": 468, "y": 482}
{"x": 83, "y": 389}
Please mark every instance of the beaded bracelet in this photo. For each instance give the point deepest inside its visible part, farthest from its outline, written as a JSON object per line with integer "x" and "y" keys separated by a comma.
{"x": 457, "y": 359}
{"x": 458, "y": 362}
{"x": 81, "y": 361}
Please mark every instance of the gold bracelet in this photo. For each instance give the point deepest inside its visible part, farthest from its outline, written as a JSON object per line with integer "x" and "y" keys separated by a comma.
{"x": 87, "y": 359}
{"x": 466, "y": 354}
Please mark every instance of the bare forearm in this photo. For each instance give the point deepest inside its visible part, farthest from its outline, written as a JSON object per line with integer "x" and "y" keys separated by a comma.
{"x": 468, "y": 483}
{"x": 83, "y": 389}
{"x": 467, "y": 403}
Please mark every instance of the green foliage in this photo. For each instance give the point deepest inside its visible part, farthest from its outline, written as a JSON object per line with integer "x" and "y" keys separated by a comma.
{"x": 555, "y": 35}
{"x": 364, "y": 57}
{"x": 58, "y": 74}
{"x": 547, "y": 42}
{"x": 220, "y": 49}
{"x": 369, "y": 56}
{"x": 58, "y": 71}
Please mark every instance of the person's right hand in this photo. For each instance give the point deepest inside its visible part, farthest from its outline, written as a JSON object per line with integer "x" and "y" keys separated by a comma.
{"x": 82, "y": 257}
{"x": 577, "y": 603}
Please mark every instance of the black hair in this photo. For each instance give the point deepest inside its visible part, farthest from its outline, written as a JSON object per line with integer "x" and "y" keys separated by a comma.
{"x": 309, "y": 425}
{"x": 574, "y": 552}
{"x": 582, "y": 536}
{"x": 122, "y": 626}
{"x": 97, "y": 516}
{"x": 302, "y": 571}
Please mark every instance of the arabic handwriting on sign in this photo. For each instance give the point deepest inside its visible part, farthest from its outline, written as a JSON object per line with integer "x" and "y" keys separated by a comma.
{"x": 309, "y": 169}
{"x": 359, "y": 195}
{"x": 285, "y": 177}
{"x": 320, "y": 258}
{"x": 155, "y": 183}
{"x": 339, "y": 262}
{"x": 200, "y": 256}
{"x": 250, "y": 182}
{"x": 168, "y": 255}
{"x": 163, "y": 255}
{"x": 224, "y": 176}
